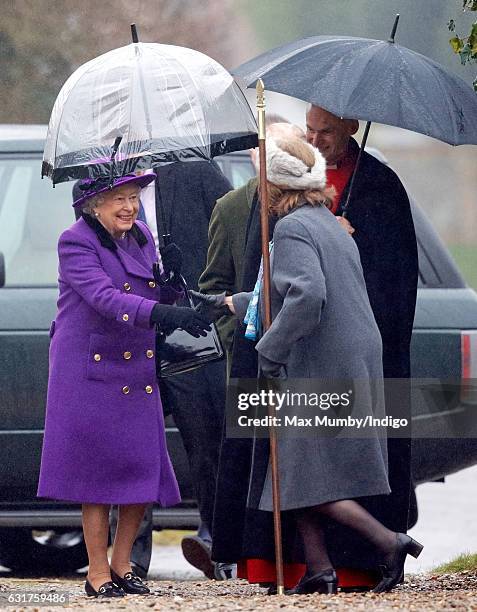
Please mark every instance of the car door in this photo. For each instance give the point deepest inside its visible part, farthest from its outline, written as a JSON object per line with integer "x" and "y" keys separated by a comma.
{"x": 32, "y": 216}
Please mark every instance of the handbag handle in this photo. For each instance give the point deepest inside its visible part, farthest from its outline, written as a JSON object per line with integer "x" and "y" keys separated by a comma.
{"x": 183, "y": 284}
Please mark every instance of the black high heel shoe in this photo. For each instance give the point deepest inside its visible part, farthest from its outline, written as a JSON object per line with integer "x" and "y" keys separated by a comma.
{"x": 393, "y": 570}
{"x": 325, "y": 582}
{"x": 130, "y": 583}
{"x": 108, "y": 589}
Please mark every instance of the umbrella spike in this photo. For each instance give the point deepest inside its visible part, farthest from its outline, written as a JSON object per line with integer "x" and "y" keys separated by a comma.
{"x": 393, "y": 31}
{"x": 134, "y": 35}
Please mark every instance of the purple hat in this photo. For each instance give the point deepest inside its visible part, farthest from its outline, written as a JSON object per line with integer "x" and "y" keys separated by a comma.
{"x": 91, "y": 187}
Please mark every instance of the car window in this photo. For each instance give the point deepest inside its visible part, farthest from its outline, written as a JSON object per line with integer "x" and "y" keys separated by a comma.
{"x": 241, "y": 173}
{"x": 32, "y": 217}
{"x": 237, "y": 168}
{"x": 437, "y": 269}
{"x": 428, "y": 273}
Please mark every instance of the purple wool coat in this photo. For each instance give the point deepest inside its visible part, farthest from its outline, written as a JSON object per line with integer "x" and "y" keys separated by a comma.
{"x": 104, "y": 437}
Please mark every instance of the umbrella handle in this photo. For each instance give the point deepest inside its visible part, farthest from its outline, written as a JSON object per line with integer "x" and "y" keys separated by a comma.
{"x": 355, "y": 171}
{"x": 116, "y": 144}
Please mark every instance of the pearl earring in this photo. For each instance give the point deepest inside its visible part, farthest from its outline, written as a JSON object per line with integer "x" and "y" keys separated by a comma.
{"x": 96, "y": 214}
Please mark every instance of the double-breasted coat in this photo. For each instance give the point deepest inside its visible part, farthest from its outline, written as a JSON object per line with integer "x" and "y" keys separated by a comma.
{"x": 104, "y": 433}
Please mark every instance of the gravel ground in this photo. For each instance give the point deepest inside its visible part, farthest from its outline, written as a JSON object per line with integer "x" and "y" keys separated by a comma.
{"x": 427, "y": 593}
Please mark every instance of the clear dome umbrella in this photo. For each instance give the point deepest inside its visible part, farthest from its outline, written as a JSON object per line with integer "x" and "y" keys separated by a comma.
{"x": 142, "y": 105}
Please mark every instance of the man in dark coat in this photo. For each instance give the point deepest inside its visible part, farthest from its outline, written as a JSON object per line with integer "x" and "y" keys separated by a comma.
{"x": 186, "y": 193}
{"x": 380, "y": 214}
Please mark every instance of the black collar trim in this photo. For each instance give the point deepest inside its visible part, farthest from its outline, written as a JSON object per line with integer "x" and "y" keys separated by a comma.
{"x": 105, "y": 237}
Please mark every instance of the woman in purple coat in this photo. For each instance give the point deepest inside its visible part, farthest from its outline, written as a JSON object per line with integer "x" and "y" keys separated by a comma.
{"x": 104, "y": 438}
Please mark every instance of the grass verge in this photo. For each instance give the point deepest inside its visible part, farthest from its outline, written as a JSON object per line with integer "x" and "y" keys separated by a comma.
{"x": 170, "y": 537}
{"x": 465, "y": 562}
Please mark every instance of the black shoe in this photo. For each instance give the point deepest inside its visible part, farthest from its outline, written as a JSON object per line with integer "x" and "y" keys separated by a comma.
{"x": 130, "y": 583}
{"x": 324, "y": 582}
{"x": 108, "y": 589}
{"x": 393, "y": 570}
{"x": 197, "y": 552}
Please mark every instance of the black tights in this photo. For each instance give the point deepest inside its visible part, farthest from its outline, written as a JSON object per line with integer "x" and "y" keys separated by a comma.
{"x": 349, "y": 513}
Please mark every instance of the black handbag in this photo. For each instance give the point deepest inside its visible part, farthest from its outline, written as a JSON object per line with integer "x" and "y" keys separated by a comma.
{"x": 179, "y": 352}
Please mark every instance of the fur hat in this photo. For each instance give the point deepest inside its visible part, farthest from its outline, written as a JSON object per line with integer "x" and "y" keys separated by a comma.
{"x": 286, "y": 170}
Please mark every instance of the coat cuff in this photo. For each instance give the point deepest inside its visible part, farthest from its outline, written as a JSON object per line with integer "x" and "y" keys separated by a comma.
{"x": 136, "y": 313}
{"x": 241, "y": 302}
{"x": 269, "y": 349}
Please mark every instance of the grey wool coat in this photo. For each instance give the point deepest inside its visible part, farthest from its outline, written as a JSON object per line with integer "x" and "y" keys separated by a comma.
{"x": 322, "y": 327}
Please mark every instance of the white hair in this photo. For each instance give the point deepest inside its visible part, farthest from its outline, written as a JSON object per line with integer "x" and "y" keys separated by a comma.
{"x": 92, "y": 203}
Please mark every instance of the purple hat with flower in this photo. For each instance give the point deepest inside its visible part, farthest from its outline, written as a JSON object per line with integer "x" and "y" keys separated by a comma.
{"x": 91, "y": 187}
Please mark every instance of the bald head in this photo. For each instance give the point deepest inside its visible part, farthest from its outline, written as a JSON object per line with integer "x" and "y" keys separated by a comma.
{"x": 279, "y": 131}
{"x": 328, "y": 133}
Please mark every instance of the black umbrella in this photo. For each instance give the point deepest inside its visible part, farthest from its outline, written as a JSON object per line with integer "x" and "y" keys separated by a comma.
{"x": 373, "y": 80}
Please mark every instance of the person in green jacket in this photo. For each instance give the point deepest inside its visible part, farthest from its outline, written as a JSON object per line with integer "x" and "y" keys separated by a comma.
{"x": 227, "y": 229}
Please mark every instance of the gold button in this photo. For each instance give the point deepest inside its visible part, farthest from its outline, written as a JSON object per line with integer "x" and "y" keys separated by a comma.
{"x": 151, "y": 284}
{"x": 97, "y": 357}
{"x": 148, "y": 389}
{"x": 126, "y": 390}
{"x": 127, "y": 286}
{"x": 149, "y": 354}
{"x": 127, "y": 355}
{"x": 125, "y": 317}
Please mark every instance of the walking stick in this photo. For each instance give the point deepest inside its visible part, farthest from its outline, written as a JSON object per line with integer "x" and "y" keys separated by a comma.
{"x": 267, "y": 320}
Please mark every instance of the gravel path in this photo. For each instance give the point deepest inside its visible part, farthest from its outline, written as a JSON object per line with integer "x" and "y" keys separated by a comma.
{"x": 426, "y": 593}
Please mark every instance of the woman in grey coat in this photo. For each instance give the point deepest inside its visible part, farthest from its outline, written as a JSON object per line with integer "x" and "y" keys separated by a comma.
{"x": 323, "y": 328}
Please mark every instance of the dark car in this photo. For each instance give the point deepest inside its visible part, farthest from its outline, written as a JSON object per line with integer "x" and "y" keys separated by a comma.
{"x": 32, "y": 216}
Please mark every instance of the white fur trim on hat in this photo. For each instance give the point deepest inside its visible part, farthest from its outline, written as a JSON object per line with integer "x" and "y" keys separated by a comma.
{"x": 286, "y": 170}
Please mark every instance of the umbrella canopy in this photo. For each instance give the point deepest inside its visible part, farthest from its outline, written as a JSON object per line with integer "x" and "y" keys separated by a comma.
{"x": 157, "y": 103}
{"x": 373, "y": 80}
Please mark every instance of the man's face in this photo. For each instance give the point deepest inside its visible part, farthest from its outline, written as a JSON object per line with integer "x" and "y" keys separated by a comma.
{"x": 328, "y": 133}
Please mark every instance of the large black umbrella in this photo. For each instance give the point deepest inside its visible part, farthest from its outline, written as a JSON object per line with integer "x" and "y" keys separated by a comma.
{"x": 373, "y": 80}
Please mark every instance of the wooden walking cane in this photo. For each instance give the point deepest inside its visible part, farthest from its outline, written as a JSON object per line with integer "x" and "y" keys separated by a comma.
{"x": 267, "y": 321}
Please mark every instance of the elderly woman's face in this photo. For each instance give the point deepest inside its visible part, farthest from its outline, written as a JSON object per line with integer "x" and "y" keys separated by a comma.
{"x": 119, "y": 208}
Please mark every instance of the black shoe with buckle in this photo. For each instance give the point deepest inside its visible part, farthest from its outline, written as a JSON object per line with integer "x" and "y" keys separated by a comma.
{"x": 108, "y": 589}
{"x": 393, "y": 569}
{"x": 130, "y": 583}
{"x": 323, "y": 582}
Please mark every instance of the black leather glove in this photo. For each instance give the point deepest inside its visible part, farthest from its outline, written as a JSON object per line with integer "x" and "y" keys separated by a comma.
{"x": 211, "y": 306}
{"x": 171, "y": 257}
{"x": 173, "y": 317}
